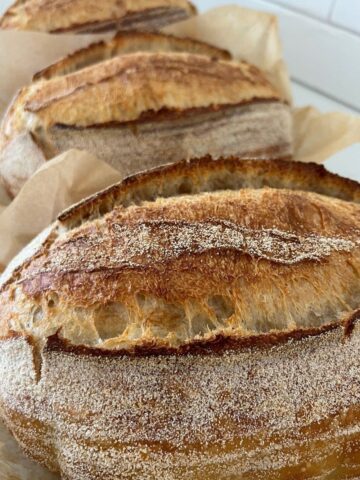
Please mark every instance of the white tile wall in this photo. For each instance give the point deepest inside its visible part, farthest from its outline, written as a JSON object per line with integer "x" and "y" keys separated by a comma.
{"x": 346, "y": 13}
{"x": 316, "y": 8}
{"x": 322, "y": 50}
{"x": 346, "y": 162}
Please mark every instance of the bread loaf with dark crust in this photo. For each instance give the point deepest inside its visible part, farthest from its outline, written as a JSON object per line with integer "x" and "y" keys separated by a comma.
{"x": 135, "y": 110}
{"x": 90, "y": 16}
{"x": 199, "y": 321}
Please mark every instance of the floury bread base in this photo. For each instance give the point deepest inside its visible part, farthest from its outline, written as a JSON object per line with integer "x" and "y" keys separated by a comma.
{"x": 262, "y": 130}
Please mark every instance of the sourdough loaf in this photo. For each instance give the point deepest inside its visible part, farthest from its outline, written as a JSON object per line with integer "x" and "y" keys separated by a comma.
{"x": 89, "y": 16}
{"x": 199, "y": 321}
{"x": 140, "y": 108}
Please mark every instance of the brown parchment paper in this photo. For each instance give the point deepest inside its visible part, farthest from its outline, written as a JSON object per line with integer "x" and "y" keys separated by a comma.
{"x": 249, "y": 35}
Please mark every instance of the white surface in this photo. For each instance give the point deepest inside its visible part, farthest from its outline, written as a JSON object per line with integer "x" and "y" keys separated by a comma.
{"x": 316, "y": 8}
{"x": 304, "y": 96}
{"x": 346, "y": 13}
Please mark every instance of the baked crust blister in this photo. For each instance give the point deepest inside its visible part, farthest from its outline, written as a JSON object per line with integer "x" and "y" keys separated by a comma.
{"x": 181, "y": 325}
{"x": 86, "y": 16}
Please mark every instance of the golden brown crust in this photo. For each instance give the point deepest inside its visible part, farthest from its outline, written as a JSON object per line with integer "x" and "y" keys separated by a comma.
{"x": 90, "y": 15}
{"x": 128, "y": 42}
{"x": 215, "y": 346}
{"x": 174, "y": 105}
{"x": 203, "y": 173}
{"x": 219, "y": 344}
{"x": 124, "y": 88}
{"x": 138, "y": 253}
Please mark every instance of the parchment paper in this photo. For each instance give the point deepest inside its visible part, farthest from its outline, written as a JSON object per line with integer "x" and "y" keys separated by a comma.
{"x": 24, "y": 53}
{"x": 61, "y": 182}
{"x": 320, "y": 135}
{"x": 249, "y": 35}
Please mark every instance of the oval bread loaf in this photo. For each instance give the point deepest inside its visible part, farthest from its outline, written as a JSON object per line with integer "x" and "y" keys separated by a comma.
{"x": 199, "y": 321}
{"x": 145, "y": 108}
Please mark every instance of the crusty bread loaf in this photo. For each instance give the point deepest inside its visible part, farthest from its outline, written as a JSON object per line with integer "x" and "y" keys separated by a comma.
{"x": 137, "y": 109}
{"x": 200, "y": 321}
{"x": 84, "y": 16}
{"x": 128, "y": 42}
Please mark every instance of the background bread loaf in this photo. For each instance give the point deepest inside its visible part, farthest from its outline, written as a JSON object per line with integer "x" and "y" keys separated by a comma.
{"x": 137, "y": 108}
{"x": 84, "y": 16}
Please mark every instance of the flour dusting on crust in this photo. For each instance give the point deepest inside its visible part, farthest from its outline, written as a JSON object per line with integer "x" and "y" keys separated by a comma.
{"x": 152, "y": 242}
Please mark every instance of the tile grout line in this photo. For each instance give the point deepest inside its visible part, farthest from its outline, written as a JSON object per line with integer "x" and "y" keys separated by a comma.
{"x": 295, "y": 11}
{"x": 324, "y": 21}
{"x": 332, "y": 8}
{"x": 333, "y": 98}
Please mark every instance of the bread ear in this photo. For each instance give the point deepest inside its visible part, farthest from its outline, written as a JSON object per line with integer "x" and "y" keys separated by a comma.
{"x": 125, "y": 43}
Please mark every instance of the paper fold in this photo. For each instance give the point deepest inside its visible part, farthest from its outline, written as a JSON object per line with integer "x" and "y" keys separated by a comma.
{"x": 320, "y": 135}
{"x": 58, "y": 184}
{"x": 248, "y": 35}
